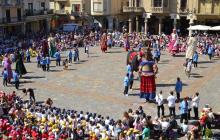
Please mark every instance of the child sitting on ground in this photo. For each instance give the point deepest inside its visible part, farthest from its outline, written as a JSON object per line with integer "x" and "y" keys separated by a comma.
{"x": 65, "y": 64}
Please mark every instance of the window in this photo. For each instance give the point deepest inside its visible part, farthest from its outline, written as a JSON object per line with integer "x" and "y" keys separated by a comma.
{"x": 43, "y": 5}
{"x": 76, "y": 7}
{"x": 30, "y": 6}
{"x": 183, "y": 4}
{"x": 165, "y": 3}
{"x": 157, "y": 3}
{"x": 97, "y": 7}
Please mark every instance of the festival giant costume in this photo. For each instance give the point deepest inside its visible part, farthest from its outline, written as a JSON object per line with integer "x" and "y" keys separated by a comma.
{"x": 147, "y": 71}
{"x": 19, "y": 65}
{"x": 45, "y": 48}
{"x": 7, "y": 66}
{"x": 126, "y": 43}
{"x": 192, "y": 43}
{"x": 51, "y": 44}
{"x": 173, "y": 44}
{"x": 103, "y": 43}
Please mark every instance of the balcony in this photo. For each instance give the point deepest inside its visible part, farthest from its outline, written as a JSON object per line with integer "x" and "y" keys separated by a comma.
{"x": 61, "y": 0}
{"x": 32, "y": 15}
{"x": 61, "y": 12}
{"x": 133, "y": 9}
{"x": 8, "y": 4}
{"x": 11, "y": 20}
{"x": 160, "y": 10}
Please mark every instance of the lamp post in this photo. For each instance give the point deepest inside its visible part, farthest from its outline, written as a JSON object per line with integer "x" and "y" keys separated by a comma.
{"x": 146, "y": 17}
{"x": 191, "y": 17}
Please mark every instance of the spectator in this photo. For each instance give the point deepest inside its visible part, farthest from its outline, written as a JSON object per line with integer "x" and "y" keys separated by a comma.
{"x": 178, "y": 88}
{"x": 16, "y": 79}
{"x": 160, "y": 106}
{"x": 184, "y": 110}
{"x": 195, "y": 104}
{"x": 195, "y": 59}
{"x": 171, "y": 104}
{"x": 5, "y": 77}
{"x": 126, "y": 84}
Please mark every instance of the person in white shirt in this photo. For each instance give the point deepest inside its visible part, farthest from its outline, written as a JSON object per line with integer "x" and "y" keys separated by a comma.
{"x": 195, "y": 104}
{"x": 171, "y": 103}
{"x": 159, "y": 101}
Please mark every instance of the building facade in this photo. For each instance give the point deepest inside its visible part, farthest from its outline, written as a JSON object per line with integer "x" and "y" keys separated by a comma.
{"x": 22, "y": 16}
{"x": 109, "y": 13}
{"x": 157, "y": 16}
{"x": 11, "y": 17}
{"x": 37, "y": 15}
{"x": 72, "y": 11}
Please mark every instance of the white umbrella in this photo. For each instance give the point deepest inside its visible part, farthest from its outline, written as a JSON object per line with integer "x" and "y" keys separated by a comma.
{"x": 199, "y": 27}
{"x": 215, "y": 28}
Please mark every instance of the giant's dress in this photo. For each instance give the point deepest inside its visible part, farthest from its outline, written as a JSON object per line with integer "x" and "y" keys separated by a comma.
{"x": 7, "y": 65}
{"x": 173, "y": 44}
{"x": 147, "y": 82}
{"x": 192, "y": 43}
{"x": 19, "y": 65}
{"x": 103, "y": 43}
{"x": 52, "y": 46}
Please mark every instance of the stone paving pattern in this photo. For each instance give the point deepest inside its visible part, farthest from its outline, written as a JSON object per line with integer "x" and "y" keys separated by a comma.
{"x": 96, "y": 83}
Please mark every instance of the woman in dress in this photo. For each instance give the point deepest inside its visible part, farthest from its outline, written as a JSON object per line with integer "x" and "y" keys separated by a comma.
{"x": 19, "y": 65}
{"x": 7, "y": 66}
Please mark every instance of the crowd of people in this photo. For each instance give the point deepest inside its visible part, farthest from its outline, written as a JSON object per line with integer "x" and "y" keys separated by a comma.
{"x": 26, "y": 119}
{"x": 22, "y": 119}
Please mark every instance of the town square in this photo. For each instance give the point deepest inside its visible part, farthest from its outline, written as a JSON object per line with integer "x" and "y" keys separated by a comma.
{"x": 110, "y": 70}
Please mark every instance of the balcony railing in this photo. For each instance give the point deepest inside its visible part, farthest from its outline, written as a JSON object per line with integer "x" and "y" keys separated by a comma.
{"x": 37, "y": 12}
{"x": 61, "y": 12}
{"x": 160, "y": 10}
{"x": 13, "y": 3}
{"x": 133, "y": 9}
{"x": 11, "y": 20}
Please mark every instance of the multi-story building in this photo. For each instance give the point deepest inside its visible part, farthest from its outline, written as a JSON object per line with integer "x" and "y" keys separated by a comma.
{"x": 37, "y": 15}
{"x": 21, "y": 16}
{"x": 108, "y": 13}
{"x": 156, "y": 16}
{"x": 71, "y": 10}
{"x": 11, "y": 16}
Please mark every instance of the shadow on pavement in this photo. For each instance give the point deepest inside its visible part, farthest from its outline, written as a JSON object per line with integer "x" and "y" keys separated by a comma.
{"x": 33, "y": 77}
{"x": 169, "y": 85}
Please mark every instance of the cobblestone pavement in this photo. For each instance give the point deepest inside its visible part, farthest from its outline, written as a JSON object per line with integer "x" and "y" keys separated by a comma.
{"x": 96, "y": 83}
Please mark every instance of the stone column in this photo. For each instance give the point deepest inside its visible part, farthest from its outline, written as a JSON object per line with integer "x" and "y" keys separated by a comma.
{"x": 137, "y": 24}
{"x": 160, "y": 24}
{"x": 130, "y": 25}
{"x": 190, "y": 24}
{"x": 23, "y": 28}
{"x": 110, "y": 23}
{"x": 48, "y": 25}
{"x": 145, "y": 25}
{"x": 174, "y": 23}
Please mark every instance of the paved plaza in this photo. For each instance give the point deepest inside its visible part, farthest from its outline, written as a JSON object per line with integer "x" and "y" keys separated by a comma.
{"x": 95, "y": 84}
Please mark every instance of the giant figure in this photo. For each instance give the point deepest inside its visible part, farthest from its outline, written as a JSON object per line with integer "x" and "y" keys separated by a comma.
{"x": 7, "y": 66}
{"x": 52, "y": 45}
{"x": 19, "y": 65}
{"x": 147, "y": 69}
{"x": 173, "y": 44}
{"x": 103, "y": 42}
{"x": 192, "y": 43}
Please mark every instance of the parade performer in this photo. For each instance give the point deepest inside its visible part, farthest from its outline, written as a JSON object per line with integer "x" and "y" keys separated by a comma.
{"x": 173, "y": 44}
{"x": 51, "y": 44}
{"x": 147, "y": 69}
{"x": 192, "y": 43}
{"x": 7, "y": 66}
{"x": 103, "y": 43}
{"x": 126, "y": 43}
{"x": 19, "y": 66}
{"x": 45, "y": 48}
